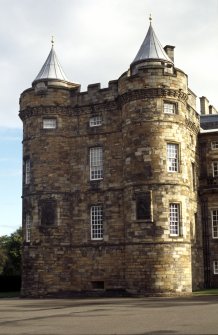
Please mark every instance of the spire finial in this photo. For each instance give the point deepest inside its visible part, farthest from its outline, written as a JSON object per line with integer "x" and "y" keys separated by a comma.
{"x": 150, "y": 18}
{"x": 52, "y": 41}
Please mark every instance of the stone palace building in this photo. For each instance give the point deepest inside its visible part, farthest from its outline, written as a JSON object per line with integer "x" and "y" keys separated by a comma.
{"x": 120, "y": 184}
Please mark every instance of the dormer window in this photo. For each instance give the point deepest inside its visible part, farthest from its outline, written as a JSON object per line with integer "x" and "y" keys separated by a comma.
{"x": 95, "y": 121}
{"x": 50, "y": 123}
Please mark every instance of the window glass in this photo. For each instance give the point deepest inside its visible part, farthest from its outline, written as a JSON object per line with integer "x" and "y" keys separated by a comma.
{"x": 143, "y": 206}
{"x": 96, "y": 222}
{"x": 49, "y": 123}
{"x": 27, "y": 171}
{"x": 95, "y": 121}
{"x": 28, "y": 227}
{"x": 169, "y": 108}
{"x": 172, "y": 157}
{"x": 215, "y": 169}
{"x": 214, "y": 145}
{"x": 174, "y": 219}
{"x": 215, "y": 267}
{"x": 214, "y": 216}
{"x": 96, "y": 163}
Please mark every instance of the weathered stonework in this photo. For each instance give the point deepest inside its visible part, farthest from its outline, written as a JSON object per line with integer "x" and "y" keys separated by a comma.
{"x": 139, "y": 256}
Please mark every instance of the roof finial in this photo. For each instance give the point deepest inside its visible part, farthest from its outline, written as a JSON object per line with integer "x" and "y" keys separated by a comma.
{"x": 150, "y": 18}
{"x": 52, "y": 41}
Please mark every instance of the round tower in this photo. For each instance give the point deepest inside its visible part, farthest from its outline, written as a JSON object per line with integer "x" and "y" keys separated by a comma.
{"x": 160, "y": 127}
{"x": 45, "y": 112}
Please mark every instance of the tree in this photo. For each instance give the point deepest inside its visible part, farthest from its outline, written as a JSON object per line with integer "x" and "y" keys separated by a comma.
{"x": 10, "y": 254}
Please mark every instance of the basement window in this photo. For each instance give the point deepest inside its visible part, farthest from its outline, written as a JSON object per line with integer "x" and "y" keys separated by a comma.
{"x": 98, "y": 285}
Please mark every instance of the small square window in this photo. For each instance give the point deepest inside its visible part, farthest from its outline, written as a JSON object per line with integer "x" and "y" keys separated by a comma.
{"x": 215, "y": 267}
{"x": 215, "y": 169}
{"x": 95, "y": 121}
{"x": 214, "y": 145}
{"x": 49, "y": 123}
{"x": 169, "y": 108}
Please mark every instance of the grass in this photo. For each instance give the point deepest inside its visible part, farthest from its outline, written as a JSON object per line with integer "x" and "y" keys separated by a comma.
{"x": 9, "y": 294}
{"x": 212, "y": 291}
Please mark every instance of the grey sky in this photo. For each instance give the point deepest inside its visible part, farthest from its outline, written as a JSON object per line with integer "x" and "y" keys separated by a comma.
{"x": 96, "y": 40}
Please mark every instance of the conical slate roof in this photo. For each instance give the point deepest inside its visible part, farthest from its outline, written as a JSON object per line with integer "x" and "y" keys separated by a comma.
{"x": 52, "y": 68}
{"x": 151, "y": 48}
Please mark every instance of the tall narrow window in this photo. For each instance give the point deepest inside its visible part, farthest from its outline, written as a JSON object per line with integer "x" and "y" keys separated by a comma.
{"x": 214, "y": 145}
{"x": 49, "y": 123}
{"x": 27, "y": 171}
{"x": 143, "y": 206}
{"x": 96, "y": 163}
{"x": 96, "y": 222}
{"x": 215, "y": 267}
{"x": 174, "y": 219}
{"x": 28, "y": 228}
{"x": 193, "y": 176}
{"x": 169, "y": 108}
{"x": 214, "y": 215}
{"x": 172, "y": 157}
{"x": 215, "y": 169}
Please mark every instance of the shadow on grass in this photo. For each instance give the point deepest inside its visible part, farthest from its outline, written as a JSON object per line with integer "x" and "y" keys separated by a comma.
{"x": 213, "y": 291}
{"x": 9, "y": 295}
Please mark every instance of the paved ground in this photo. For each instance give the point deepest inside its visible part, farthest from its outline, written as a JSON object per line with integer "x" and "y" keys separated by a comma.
{"x": 111, "y": 316}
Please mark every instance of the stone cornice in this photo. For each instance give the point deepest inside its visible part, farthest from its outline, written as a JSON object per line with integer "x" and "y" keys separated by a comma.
{"x": 66, "y": 110}
{"x": 152, "y": 93}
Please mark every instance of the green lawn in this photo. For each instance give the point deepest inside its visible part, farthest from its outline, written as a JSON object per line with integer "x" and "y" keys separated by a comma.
{"x": 212, "y": 291}
{"x": 9, "y": 294}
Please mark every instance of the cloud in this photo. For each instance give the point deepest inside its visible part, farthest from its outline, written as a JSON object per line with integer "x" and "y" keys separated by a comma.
{"x": 96, "y": 40}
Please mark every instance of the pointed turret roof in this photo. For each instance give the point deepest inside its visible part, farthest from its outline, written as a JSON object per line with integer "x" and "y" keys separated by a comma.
{"x": 52, "y": 68}
{"x": 151, "y": 48}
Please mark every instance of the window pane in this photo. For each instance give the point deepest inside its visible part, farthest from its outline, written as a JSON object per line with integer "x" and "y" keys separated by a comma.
{"x": 96, "y": 163}
{"x": 95, "y": 121}
{"x": 49, "y": 123}
{"x": 169, "y": 108}
{"x": 28, "y": 227}
{"x": 215, "y": 267}
{"x": 174, "y": 219}
{"x": 96, "y": 223}
{"x": 27, "y": 171}
{"x": 172, "y": 157}
{"x": 215, "y": 169}
{"x": 143, "y": 207}
{"x": 215, "y": 223}
{"x": 214, "y": 145}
